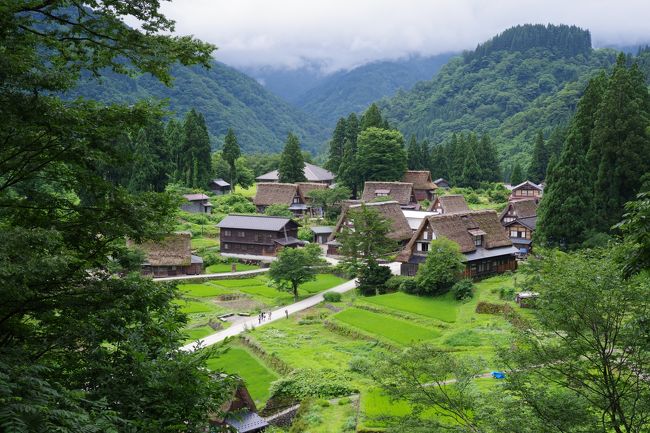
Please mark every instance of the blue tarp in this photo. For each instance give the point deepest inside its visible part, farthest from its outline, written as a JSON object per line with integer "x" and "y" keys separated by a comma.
{"x": 498, "y": 375}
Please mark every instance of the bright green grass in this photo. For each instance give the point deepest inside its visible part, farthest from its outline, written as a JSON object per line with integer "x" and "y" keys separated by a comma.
{"x": 333, "y": 418}
{"x": 205, "y": 290}
{"x": 243, "y": 282}
{"x": 399, "y": 331}
{"x": 247, "y": 192}
{"x": 441, "y": 307}
{"x": 227, "y": 267}
{"x": 322, "y": 282}
{"x": 375, "y": 404}
{"x": 193, "y": 307}
{"x": 256, "y": 375}
{"x": 194, "y": 334}
{"x": 200, "y": 243}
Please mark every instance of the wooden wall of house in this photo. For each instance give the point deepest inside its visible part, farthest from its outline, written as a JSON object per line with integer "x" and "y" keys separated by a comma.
{"x": 485, "y": 267}
{"x": 527, "y": 233}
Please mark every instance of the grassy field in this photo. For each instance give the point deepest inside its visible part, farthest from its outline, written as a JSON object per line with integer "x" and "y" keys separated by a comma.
{"x": 442, "y": 308}
{"x": 396, "y": 330}
{"x": 227, "y": 267}
{"x": 201, "y": 243}
{"x": 256, "y": 375}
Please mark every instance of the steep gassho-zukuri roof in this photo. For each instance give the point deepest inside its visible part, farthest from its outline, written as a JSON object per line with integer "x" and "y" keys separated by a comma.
{"x": 457, "y": 227}
{"x": 452, "y": 203}
{"x": 390, "y": 210}
{"x": 173, "y": 250}
{"x": 304, "y": 188}
{"x": 274, "y": 193}
{"x": 254, "y": 222}
{"x": 401, "y": 192}
{"x": 421, "y": 179}
{"x": 313, "y": 173}
{"x": 522, "y": 208}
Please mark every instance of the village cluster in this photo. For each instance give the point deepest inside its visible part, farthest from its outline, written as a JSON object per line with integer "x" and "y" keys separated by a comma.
{"x": 491, "y": 242}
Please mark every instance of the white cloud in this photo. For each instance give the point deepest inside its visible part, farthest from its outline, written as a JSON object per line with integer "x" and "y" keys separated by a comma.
{"x": 341, "y": 34}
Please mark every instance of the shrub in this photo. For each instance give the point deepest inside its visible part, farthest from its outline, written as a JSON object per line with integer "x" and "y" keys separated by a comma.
{"x": 343, "y": 401}
{"x": 360, "y": 365}
{"x": 507, "y": 293}
{"x": 305, "y": 234}
{"x": 464, "y": 289}
{"x": 410, "y": 286}
{"x": 441, "y": 269}
{"x": 473, "y": 198}
{"x": 394, "y": 283}
{"x": 304, "y": 383}
{"x": 278, "y": 210}
{"x": 402, "y": 284}
{"x": 332, "y": 297}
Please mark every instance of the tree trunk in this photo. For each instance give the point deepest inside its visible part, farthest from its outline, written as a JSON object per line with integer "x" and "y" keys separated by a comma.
{"x": 295, "y": 292}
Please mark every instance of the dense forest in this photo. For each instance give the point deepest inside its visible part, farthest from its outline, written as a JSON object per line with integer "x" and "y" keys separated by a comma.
{"x": 227, "y": 98}
{"x": 527, "y": 79}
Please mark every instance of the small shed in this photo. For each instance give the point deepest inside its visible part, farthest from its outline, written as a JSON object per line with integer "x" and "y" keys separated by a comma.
{"x": 197, "y": 203}
{"x": 219, "y": 187}
{"x": 321, "y": 233}
{"x": 526, "y": 299}
{"x": 442, "y": 183}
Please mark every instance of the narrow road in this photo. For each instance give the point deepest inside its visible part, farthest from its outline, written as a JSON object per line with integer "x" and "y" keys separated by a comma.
{"x": 276, "y": 315}
{"x": 252, "y": 272}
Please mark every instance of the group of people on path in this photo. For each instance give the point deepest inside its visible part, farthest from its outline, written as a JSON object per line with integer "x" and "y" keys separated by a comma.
{"x": 264, "y": 316}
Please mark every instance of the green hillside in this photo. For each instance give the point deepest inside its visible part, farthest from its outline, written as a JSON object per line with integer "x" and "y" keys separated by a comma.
{"x": 352, "y": 91}
{"x": 527, "y": 78}
{"x": 227, "y": 98}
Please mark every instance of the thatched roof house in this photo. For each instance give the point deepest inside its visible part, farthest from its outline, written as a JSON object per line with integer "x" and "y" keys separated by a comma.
{"x": 401, "y": 192}
{"x": 295, "y": 196}
{"x": 446, "y": 204}
{"x": 313, "y": 173}
{"x": 519, "y": 209}
{"x": 423, "y": 186}
{"x": 240, "y": 412}
{"x": 519, "y": 220}
{"x": 169, "y": 256}
{"x": 478, "y": 234}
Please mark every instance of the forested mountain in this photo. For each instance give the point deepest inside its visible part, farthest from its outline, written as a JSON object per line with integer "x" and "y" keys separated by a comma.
{"x": 352, "y": 91}
{"x": 289, "y": 84}
{"x": 528, "y": 78}
{"x": 227, "y": 99}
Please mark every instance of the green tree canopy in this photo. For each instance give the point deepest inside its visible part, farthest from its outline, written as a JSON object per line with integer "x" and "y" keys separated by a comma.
{"x": 231, "y": 153}
{"x": 295, "y": 266}
{"x": 195, "y": 162}
{"x": 442, "y": 268}
{"x": 539, "y": 161}
{"x": 292, "y": 163}
{"x": 381, "y": 154}
{"x": 337, "y": 146}
{"x": 517, "y": 175}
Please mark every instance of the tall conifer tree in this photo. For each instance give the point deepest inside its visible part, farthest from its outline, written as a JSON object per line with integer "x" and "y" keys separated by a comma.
{"x": 413, "y": 154}
{"x": 337, "y": 144}
{"x": 488, "y": 160}
{"x": 195, "y": 157}
{"x": 517, "y": 175}
{"x": 372, "y": 118}
{"x": 230, "y": 153}
{"x": 292, "y": 163}
{"x": 348, "y": 174}
{"x": 537, "y": 168}
{"x": 471, "y": 176}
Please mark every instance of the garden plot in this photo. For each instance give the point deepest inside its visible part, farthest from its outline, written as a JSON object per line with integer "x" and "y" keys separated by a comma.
{"x": 442, "y": 308}
{"x": 383, "y": 326}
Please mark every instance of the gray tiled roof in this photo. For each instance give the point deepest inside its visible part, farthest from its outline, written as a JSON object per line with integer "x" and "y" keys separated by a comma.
{"x": 253, "y": 222}
{"x": 246, "y": 421}
{"x": 313, "y": 173}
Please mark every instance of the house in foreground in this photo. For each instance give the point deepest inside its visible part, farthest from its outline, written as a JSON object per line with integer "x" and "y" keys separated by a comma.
{"x": 401, "y": 192}
{"x": 526, "y": 190}
{"x": 170, "y": 256}
{"x": 293, "y": 195}
{"x": 519, "y": 219}
{"x": 240, "y": 413}
{"x": 257, "y": 235}
{"x": 446, "y": 204}
{"x": 423, "y": 186}
{"x": 219, "y": 187}
{"x": 400, "y": 230}
{"x": 313, "y": 174}
{"x": 196, "y": 203}
{"x": 479, "y": 235}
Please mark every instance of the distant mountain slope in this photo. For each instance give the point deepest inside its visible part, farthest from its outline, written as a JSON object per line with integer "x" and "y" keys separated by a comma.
{"x": 352, "y": 91}
{"x": 527, "y": 78}
{"x": 289, "y": 84}
{"x": 226, "y": 97}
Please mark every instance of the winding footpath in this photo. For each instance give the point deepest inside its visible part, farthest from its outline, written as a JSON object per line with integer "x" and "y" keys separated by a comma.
{"x": 278, "y": 314}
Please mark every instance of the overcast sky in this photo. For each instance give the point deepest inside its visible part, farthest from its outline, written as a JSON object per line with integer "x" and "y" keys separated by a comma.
{"x": 341, "y": 34}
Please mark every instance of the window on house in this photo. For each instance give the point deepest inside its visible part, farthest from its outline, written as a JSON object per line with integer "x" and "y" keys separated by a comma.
{"x": 241, "y": 234}
{"x": 422, "y": 246}
{"x": 478, "y": 241}
{"x": 226, "y": 246}
{"x": 227, "y": 233}
{"x": 296, "y": 200}
{"x": 425, "y": 235}
{"x": 513, "y": 233}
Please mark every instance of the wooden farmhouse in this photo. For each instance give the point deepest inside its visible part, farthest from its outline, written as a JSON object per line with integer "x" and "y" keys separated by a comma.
{"x": 321, "y": 233}
{"x": 446, "y": 204}
{"x": 295, "y": 196}
{"x": 313, "y": 173}
{"x": 526, "y": 190}
{"x": 442, "y": 183}
{"x": 196, "y": 203}
{"x": 219, "y": 187}
{"x": 423, "y": 186}
{"x": 170, "y": 256}
{"x": 519, "y": 219}
{"x": 479, "y": 235}
{"x": 401, "y": 231}
{"x": 401, "y": 192}
{"x": 257, "y": 235}
{"x": 239, "y": 413}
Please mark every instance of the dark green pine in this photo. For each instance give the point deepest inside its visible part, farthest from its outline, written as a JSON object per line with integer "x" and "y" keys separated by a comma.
{"x": 292, "y": 162}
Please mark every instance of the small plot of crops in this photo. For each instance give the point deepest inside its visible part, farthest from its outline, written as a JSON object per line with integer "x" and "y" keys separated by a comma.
{"x": 221, "y": 268}
{"x": 202, "y": 243}
{"x": 256, "y": 375}
{"x": 443, "y": 308}
{"x": 397, "y": 330}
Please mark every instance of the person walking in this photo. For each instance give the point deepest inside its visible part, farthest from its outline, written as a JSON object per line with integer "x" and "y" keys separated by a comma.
{"x": 286, "y": 312}
{"x": 269, "y": 314}
{"x": 259, "y": 318}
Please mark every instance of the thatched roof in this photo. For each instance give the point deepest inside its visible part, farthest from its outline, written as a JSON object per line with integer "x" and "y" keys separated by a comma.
{"x": 401, "y": 192}
{"x": 421, "y": 179}
{"x": 458, "y": 227}
{"x": 313, "y": 173}
{"x": 304, "y": 188}
{"x": 174, "y": 250}
{"x": 521, "y": 208}
{"x": 275, "y": 193}
{"x": 452, "y": 203}
{"x": 390, "y": 210}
